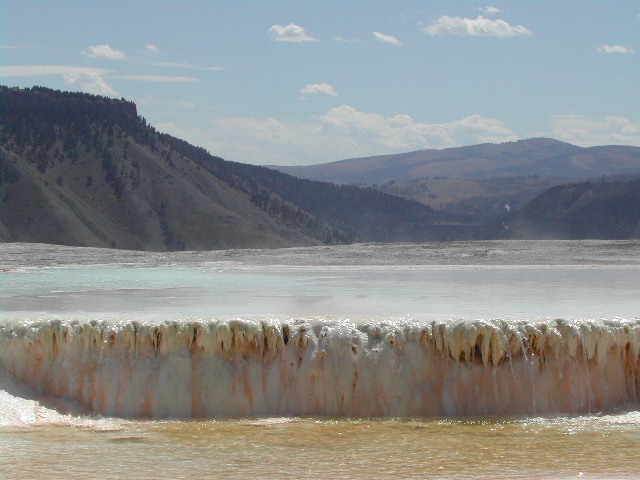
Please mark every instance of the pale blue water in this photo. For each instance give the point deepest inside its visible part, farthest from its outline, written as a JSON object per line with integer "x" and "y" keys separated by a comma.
{"x": 427, "y": 291}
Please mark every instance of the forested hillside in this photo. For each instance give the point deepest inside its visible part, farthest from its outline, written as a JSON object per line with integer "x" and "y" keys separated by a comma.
{"x": 79, "y": 169}
{"x": 86, "y": 170}
{"x": 364, "y": 213}
{"x": 603, "y": 210}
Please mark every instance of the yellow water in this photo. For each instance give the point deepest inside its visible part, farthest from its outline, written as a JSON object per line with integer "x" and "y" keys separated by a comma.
{"x": 310, "y": 448}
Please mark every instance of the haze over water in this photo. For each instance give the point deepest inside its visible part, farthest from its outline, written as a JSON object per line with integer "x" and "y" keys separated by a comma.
{"x": 496, "y": 286}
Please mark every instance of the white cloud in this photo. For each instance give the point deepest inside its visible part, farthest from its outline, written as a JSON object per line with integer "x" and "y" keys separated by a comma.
{"x": 253, "y": 141}
{"x": 615, "y": 49}
{"x": 381, "y": 37}
{"x": 190, "y": 66}
{"x": 186, "y": 104}
{"x": 146, "y": 100}
{"x": 150, "y": 100}
{"x": 174, "y": 64}
{"x": 475, "y": 27}
{"x": 14, "y": 47}
{"x": 290, "y": 33}
{"x": 489, "y": 10}
{"x": 104, "y": 51}
{"x": 39, "y": 70}
{"x": 401, "y": 133}
{"x": 343, "y": 132}
{"x": 319, "y": 88}
{"x": 84, "y": 79}
{"x": 339, "y": 39}
{"x": 157, "y": 78}
{"x": 588, "y": 131}
{"x": 89, "y": 83}
{"x": 151, "y": 49}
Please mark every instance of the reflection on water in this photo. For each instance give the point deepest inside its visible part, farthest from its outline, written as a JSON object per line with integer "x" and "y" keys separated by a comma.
{"x": 458, "y": 291}
{"x": 580, "y": 447}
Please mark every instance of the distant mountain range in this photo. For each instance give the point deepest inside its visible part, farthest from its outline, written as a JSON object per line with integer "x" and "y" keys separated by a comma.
{"x": 543, "y": 157}
{"x": 84, "y": 170}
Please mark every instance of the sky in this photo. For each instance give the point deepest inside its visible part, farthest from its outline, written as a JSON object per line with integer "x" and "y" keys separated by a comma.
{"x": 298, "y": 82}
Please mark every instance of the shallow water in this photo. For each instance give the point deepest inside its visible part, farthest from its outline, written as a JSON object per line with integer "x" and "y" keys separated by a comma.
{"x": 452, "y": 291}
{"x": 563, "y": 448}
{"x": 44, "y": 437}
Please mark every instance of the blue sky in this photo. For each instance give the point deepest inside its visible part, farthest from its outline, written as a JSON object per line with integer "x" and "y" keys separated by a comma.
{"x": 304, "y": 82}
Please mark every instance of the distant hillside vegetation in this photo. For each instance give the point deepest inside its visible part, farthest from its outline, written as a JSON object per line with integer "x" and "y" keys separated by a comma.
{"x": 481, "y": 198}
{"x": 543, "y": 157}
{"x": 606, "y": 210}
{"x": 364, "y": 213}
{"x": 79, "y": 169}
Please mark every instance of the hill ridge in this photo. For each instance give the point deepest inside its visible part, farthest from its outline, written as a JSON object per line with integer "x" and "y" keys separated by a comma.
{"x": 75, "y": 175}
{"x": 540, "y": 156}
